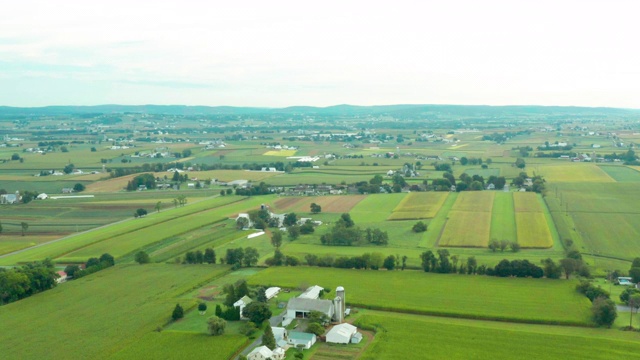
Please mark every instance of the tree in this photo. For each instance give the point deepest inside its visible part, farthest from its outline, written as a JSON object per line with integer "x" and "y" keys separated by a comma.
{"x": 209, "y": 256}
{"x": 634, "y": 303}
{"x": 494, "y": 245}
{"x": 216, "y": 325}
{"x": 569, "y": 266}
{"x": 107, "y": 259}
{"x": 627, "y": 294}
{"x": 242, "y": 223}
{"x": 257, "y": 312}
{"x": 315, "y": 208}
{"x": 178, "y": 312}
{"x": 307, "y": 228}
{"x": 294, "y": 232}
{"x": 276, "y": 238}
{"x": 268, "y": 339}
{"x": 551, "y": 270}
{"x": 503, "y": 245}
{"x": 24, "y": 227}
{"x": 515, "y": 247}
{"x": 404, "y": 261}
{"x": 202, "y": 308}
{"x": 78, "y": 187}
{"x": 158, "y": 205}
{"x": 70, "y": 270}
{"x": 250, "y": 257}
{"x": 419, "y": 227}
{"x": 261, "y": 295}
{"x": 345, "y": 219}
{"x": 315, "y": 328}
{"x": 140, "y": 213}
{"x": 142, "y": 257}
{"x": 520, "y": 163}
{"x": 634, "y": 272}
{"x": 604, "y": 311}
{"x": 389, "y": 262}
{"x": 290, "y": 219}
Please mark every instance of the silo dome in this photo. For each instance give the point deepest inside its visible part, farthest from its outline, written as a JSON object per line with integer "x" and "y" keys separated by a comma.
{"x": 340, "y": 288}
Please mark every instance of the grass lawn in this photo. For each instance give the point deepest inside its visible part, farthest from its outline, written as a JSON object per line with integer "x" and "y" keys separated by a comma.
{"x": 524, "y": 300}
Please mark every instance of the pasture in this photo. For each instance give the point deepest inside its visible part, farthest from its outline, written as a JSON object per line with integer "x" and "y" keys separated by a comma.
{"x": 133, "y": 301}
{"x": 506, "y": 299}
{"x": 533, "y": 230}
{"x": 376, "y": 208}
{"x": 503, "y": 221}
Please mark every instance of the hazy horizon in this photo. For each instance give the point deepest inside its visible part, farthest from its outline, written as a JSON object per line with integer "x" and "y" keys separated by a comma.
{"x": 287, "y": 53}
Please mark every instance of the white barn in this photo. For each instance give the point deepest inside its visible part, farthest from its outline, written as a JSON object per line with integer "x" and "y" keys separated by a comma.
{"x": 272, "y": 292}
{"x": 244, "y": 301}
{"x": 343, "y": 334}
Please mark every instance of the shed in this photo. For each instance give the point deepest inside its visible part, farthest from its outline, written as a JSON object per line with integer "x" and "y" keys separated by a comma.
{"x": 312, "y": 292}
{"x": 271, "y": 292}
{"x": 341, "y": 334}
{"x": 301, "y": 340}
{"x": 42, "y": 196}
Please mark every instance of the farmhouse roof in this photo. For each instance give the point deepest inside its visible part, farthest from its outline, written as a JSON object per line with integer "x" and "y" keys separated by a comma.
{"x": 312, "y": 292}
{"x": 244, "y": 301}
{"x": 262, "y": 350}
{"x": 302, "y": 304}
{"x": 296, "y": 336}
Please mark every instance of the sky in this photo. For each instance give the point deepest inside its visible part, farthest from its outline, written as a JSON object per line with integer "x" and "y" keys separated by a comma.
{"x": 284, "y": 53}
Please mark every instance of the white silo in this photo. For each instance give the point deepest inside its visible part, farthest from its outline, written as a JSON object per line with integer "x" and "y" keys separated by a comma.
{"x": 340, "y": 294}
{"x": 338, "y": 314}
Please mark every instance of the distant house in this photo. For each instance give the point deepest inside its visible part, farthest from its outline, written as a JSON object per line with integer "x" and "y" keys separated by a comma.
{"x": 301, "y": 340}
{"x": 67, "y": 190}
{"x": 42, "y": 196}
{"x": 142, "y": 187}
{"x": 244, "y": 301}
{"x": 62, "y": 277}
{"x": 390, "y": 173}
{"x": 239, "y": 183}
{"x": 491, "y": 187}
{"x": 10, "y": 198}
{"x": 344, "y": 334}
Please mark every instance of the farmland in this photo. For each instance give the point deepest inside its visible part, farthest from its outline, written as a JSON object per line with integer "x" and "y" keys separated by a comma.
{"x": 133, "y": 301}
{"x": 534, "y": 301}
{"x": 418, "y": 206}
{"x": 386, "y": 171}
{"x": 401, "y": 335}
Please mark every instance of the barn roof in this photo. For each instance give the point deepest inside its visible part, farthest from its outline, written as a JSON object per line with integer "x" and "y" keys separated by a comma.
{"x": 301, "y": 304}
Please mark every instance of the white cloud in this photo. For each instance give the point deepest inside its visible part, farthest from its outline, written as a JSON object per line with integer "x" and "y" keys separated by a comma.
{"x": 280, "y": 53}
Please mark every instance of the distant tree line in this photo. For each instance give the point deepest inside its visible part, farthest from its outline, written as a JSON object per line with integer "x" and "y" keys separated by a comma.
{"x": 345, "y": 233}
{"x": 91, "y": 266}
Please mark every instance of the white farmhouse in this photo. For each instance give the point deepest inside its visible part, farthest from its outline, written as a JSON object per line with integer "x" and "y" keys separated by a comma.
{"x": 244, "y": 301}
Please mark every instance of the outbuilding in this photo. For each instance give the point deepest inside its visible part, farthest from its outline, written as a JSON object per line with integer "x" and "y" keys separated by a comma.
{"x": 301, "y": 340}
{"x": 342, "y": 334}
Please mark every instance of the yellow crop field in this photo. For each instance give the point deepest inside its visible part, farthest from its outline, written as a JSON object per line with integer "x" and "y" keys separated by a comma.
{"x": 475, "y": 201}
{"x": 573, "y": 172}
{"x": 419, "y": 205}
{"x": 533, "y": 230}
{"x": 280, "y": 153}
{"x": 526, "y": 202}
{"x": 467, "y": 229}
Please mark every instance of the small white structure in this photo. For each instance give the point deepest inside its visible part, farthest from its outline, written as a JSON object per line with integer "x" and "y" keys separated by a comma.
{"x": 62, "y": 277}
{"x": 272, "y": 292}
{"x": 280, "y": 335}
{"x": 251, "y": 236}
{"x": 301, "y": 340}
{"x": 312, "y": 292}
{"x": 42, "y": 196}
{"x": 10, "y": 198}
{"x": 264, "y": 353}
{"x": 342, "y": 334}
{"x": 244, "y": 301}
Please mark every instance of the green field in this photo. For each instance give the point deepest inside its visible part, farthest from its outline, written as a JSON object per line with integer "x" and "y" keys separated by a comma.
{"x": 375, "y": 208}
{"x": 104, "y": 313}
{"x": 574, "y": 172}
{"x": 531, "y": 222}
{"x": 503, "y": 221}
{"x": 622, "y": 173}
{"x": 403, "y": 336}
{"x": 519, "y": 300}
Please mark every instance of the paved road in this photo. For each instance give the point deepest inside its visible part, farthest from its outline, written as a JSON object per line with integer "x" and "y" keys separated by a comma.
{"x": 274, "y": 321}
